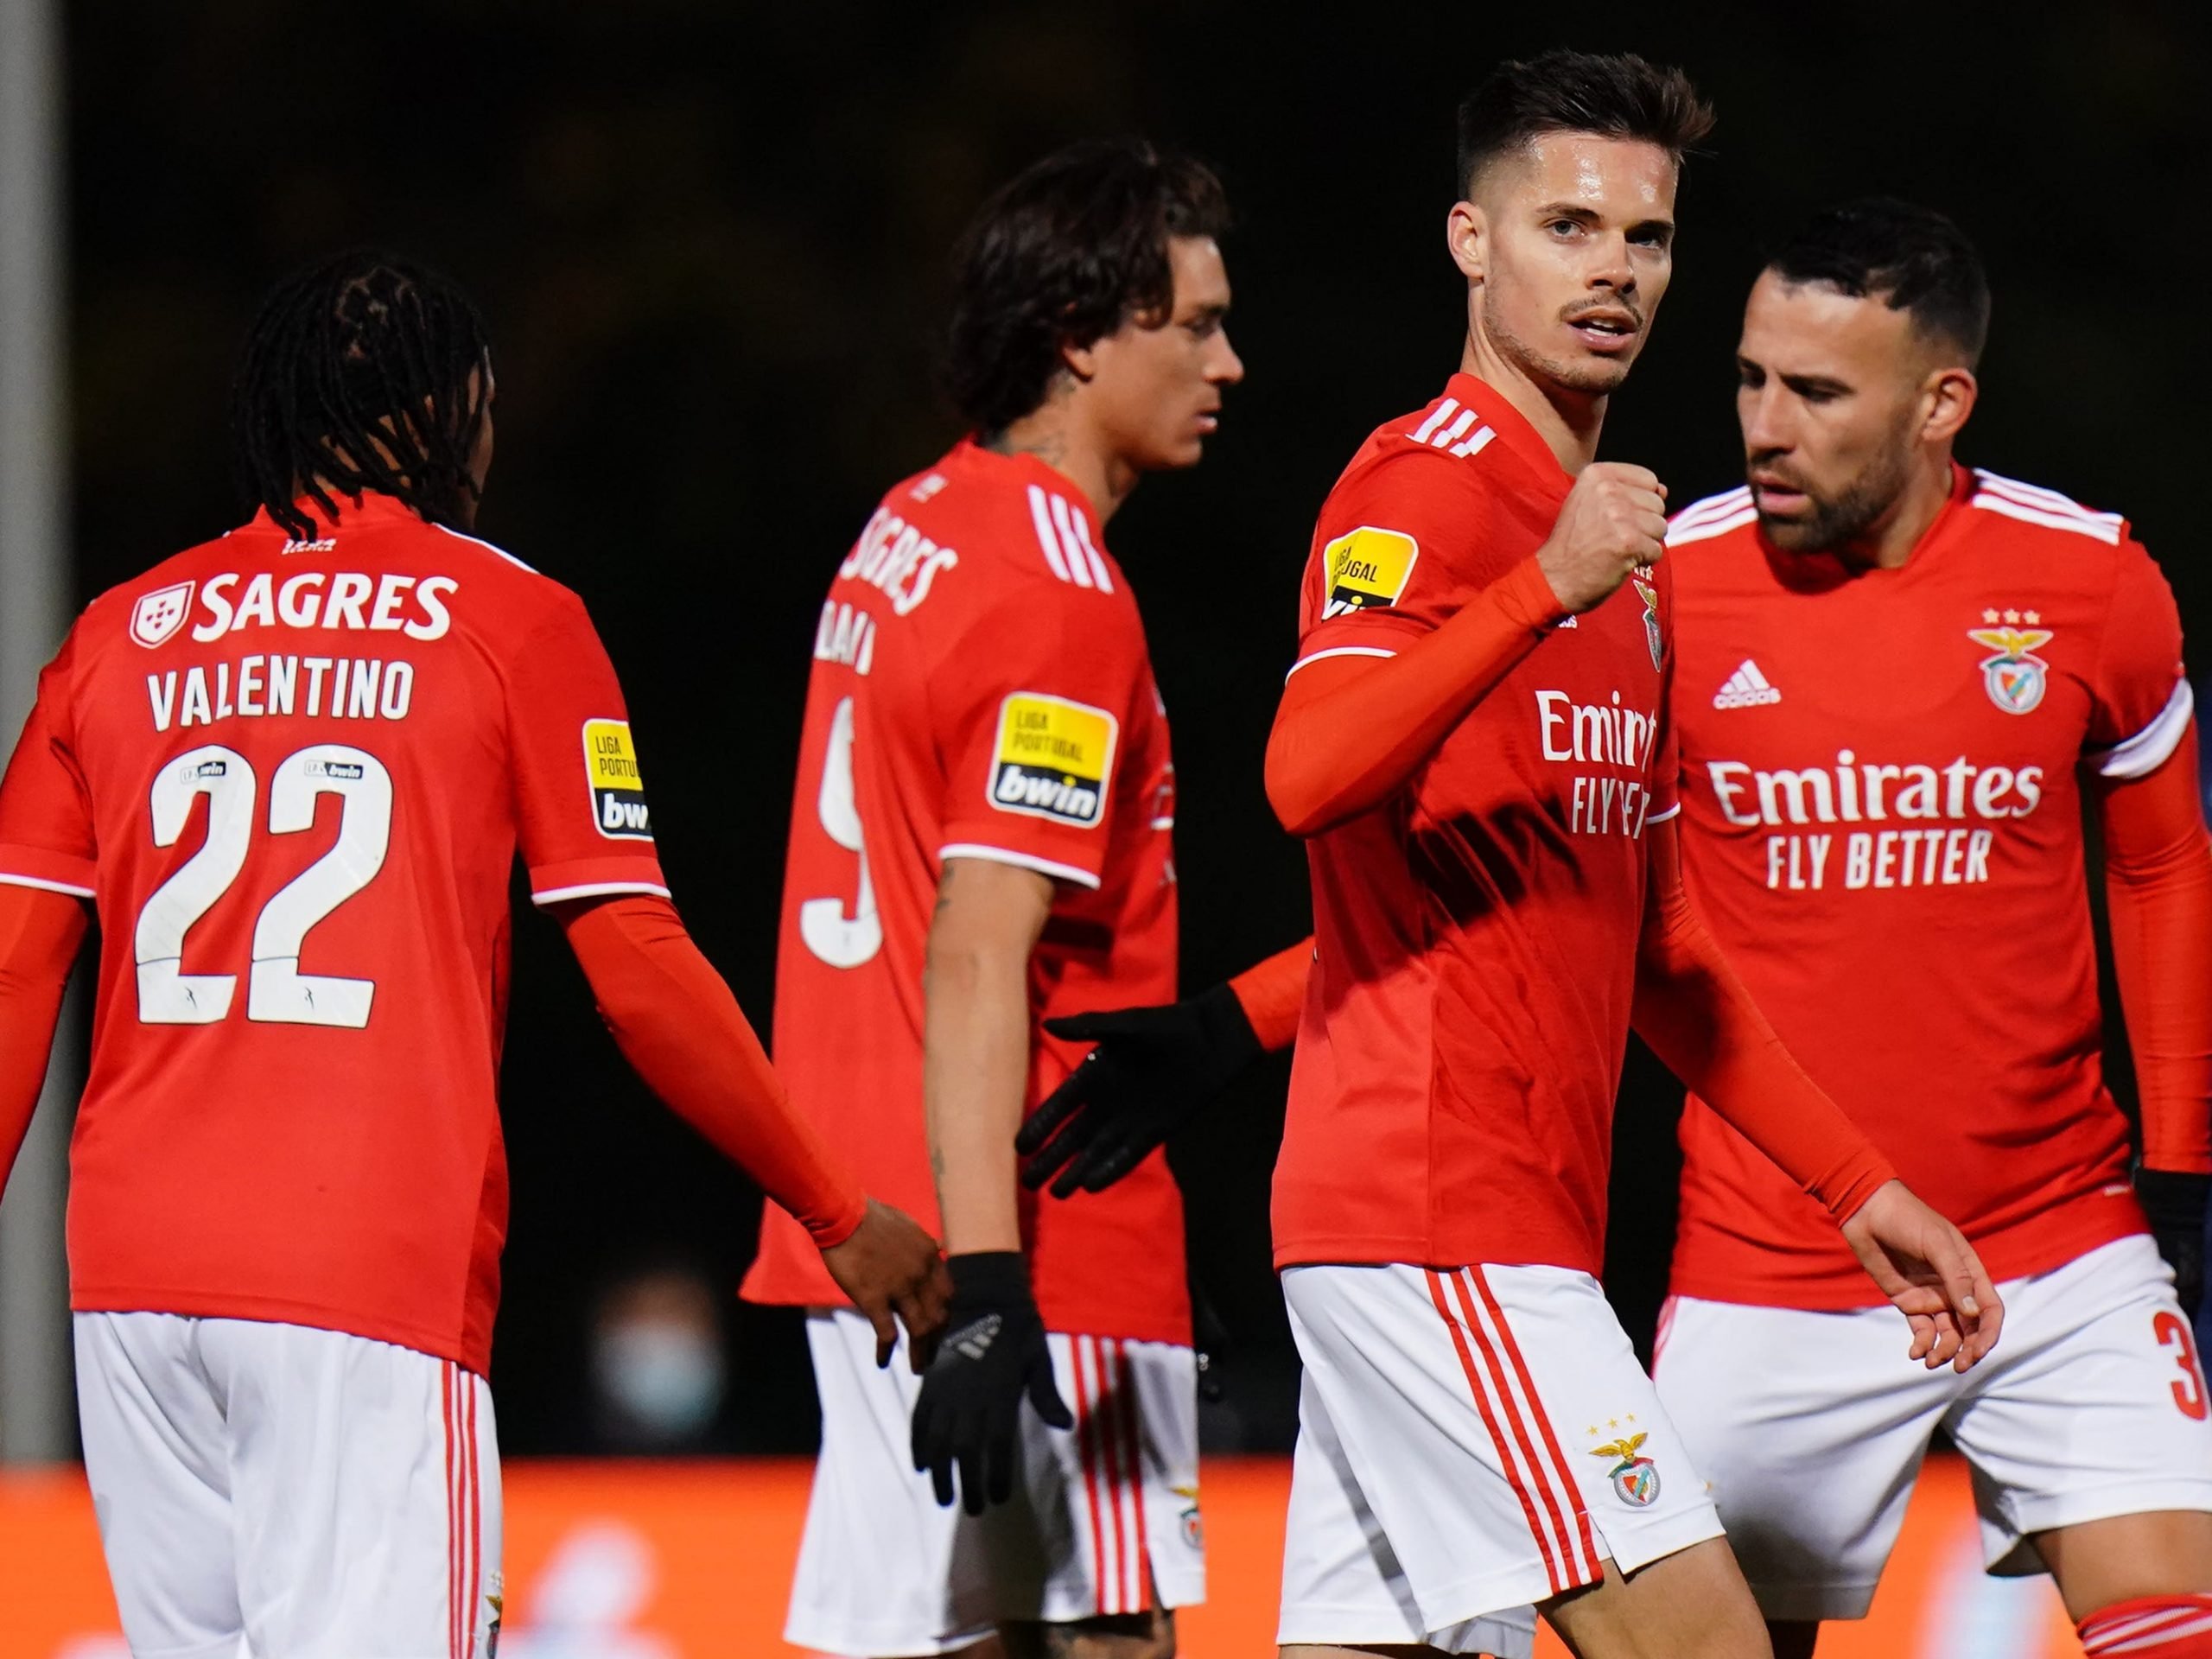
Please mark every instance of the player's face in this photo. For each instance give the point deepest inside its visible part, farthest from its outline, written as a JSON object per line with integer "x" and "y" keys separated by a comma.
{"x": 1569, "y": 248}
{"x": 1832, "y": 394}
{"x": 1155, "y": 391}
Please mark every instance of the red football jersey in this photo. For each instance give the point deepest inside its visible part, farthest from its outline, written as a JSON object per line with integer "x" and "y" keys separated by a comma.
{"x": 980, "y": 688}
{"x": 293, "y": 777}
{"x": 1882, "y": 826}
{"x": 1451, "y": 1096}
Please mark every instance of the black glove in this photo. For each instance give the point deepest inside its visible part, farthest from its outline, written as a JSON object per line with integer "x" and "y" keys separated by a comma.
{"x": 2174, "y": 1202}
{"x": 1153, "y": 1071}
{"x": 993, "y": 1352}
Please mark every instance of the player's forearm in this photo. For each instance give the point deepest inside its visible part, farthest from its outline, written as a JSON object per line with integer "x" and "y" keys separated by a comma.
{"x": 1272, "y": 993}
{"x": 1700, "y": 1020}
{"x": 977, "y": 1028}
{"x": 677, "y": 1024}
{"x": 2159, "y": 894}
{"x": 975, "y": 1080}
{"x": 39, "y": 933}
{"x": 1353, "y": 730}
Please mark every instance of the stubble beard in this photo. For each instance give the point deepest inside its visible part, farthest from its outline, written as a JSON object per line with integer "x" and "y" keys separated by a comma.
{"x": 1589, "y": 376}
{"x": 1838, "y": 520}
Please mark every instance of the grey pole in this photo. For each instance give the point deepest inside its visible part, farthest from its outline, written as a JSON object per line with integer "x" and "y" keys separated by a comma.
{"x": 36, "y": 1414}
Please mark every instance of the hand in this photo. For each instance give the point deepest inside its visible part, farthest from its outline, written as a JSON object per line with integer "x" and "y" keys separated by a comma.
{"x": 1153, "y": 1071}
{"x": 971, "y": 1395}
{"x": 1612, "y": 525}
{"x": 890, "y": 1264}
{"x": 1928, "y": 1271}
{"x": 2174, "y": 1202}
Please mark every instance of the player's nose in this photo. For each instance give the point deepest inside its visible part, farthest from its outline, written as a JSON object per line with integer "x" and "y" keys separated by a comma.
{"x": 1225, "y": 368}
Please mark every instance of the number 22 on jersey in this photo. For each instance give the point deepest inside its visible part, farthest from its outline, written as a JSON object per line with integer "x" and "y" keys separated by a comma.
{"x": 277, "y": 992}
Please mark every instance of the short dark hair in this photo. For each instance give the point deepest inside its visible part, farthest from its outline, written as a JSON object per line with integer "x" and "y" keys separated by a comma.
{"x": 1616, "y": 95}
{"x": 1063, "y": 254}
{"x": 365, "y": 351}
{"x": 1911, "y": 258}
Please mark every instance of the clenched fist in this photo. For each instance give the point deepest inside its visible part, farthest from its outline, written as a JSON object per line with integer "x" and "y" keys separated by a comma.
{"x": 1612, "y": 524}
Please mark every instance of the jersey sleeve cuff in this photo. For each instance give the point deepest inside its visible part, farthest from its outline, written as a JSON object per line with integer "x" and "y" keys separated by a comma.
{"x": 1056, "y": 868}
{"x": 1357, "y": 636}
{"x": 595, "y": 878}
{"x": 2149, "y": 749}
{"x": 37, "y": 867}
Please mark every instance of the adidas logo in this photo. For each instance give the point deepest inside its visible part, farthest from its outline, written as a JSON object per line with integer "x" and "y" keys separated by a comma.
{"x": 1745, "y": 688}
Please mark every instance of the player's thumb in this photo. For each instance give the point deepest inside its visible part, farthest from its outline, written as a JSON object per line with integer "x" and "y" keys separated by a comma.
{"x": 1966, "y": 1283}
{"x": 1045, "y": 1393}
{"x": 1081, "y": 1027}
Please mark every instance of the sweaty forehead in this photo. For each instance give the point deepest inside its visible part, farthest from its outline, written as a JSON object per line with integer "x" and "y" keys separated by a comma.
{"x": 1617, "y": 176}
{"x": 1201, "y": 276}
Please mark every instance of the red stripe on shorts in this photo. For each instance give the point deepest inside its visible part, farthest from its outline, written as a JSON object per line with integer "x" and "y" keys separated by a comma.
{"x": 1111, "y": 1440}
{"x": 1134, "y": 1573}
{"x": 1490, "y": 1421}
{"x": 1557, "y": 1505}
{"x": 475, "y": 1524}
{"x": 1572, "y": 1487}
{"x": 1086, "y": 1445}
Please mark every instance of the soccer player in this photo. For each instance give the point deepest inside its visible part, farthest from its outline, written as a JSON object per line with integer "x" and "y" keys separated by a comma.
{"x": 1900, "y": 683}
{"x": 289, "y": 770}
{"x": 981, "y": 839}
{"x": 1475, "y": 741}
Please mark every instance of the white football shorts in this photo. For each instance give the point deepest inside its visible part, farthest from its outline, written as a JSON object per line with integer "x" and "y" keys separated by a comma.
{"x": 270, "y": 1492}
{"x": 1811, "y": 1426}
{"x": 1104, "y": 1520}
{"x": 1470, "y": 1441}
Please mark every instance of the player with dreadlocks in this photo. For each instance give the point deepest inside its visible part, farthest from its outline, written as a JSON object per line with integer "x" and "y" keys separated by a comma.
{"x": 289, "y": 770}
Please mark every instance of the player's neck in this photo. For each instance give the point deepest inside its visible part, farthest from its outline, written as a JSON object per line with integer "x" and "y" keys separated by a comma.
{"x": 1055, "y": 436}
{"x": 1568, "y": 421}
{"x": 1888, "y": 542}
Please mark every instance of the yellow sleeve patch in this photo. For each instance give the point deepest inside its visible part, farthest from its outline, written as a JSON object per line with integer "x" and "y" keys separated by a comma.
{"x": 1055, "y": 759}
{"x": 618, "y": 791}
{"x": 1367, "y": 568}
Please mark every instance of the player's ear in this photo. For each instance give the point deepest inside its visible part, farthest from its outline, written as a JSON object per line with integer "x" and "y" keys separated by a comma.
{"x": 1082, "y": 361}
{"x": 1466, "y": 234}
{"x": 1949, "y": 397}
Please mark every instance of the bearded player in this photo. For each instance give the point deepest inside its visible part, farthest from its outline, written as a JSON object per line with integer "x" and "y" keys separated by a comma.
{"x": 290, "y": 770}
{"x": 982, "y": 839}
{"x": 1475, "y": 742}
{"x": 1902, "y": 682}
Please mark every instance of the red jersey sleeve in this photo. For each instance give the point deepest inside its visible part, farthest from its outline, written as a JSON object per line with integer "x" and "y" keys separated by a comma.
{"x": 46, "y": 815}
{"x": 580, "y": 798}
{"x": 1383, "y": 566}
{"x": 2139, "y": 695}
{"x": 1039, "y": 690}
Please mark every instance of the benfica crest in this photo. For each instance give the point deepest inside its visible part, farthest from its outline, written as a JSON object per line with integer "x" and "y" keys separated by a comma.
{"x": 1636, "y": 1480}
{"x": 2015, "y": 677}
{"x": 1650, "y": 595}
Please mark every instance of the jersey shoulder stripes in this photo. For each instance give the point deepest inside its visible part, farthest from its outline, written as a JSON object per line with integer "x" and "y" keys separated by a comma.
{"x": 2031, "y": 504}
{"x": 1716, "y": 515}
{"x": 1447, "y": 425}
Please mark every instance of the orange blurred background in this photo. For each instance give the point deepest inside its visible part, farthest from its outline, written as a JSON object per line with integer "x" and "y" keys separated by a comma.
{"x": 691, "y": 1560}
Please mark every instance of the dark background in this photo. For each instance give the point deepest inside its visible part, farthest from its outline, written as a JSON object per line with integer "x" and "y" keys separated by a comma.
{"x": 711, "y": 240}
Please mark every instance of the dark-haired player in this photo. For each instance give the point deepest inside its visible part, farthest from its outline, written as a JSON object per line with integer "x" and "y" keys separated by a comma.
{"x": 290, "y": 769}
{"x": 1901, "y": 681}
{"x": 981, "y": 839}
{"x": 1475, "y": 741}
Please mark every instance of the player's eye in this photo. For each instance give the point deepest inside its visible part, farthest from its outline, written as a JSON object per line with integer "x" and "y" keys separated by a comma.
{"x": 1651, "y": 236}
{"x": 1750, "y": 375}
{"x": 1204, "y": 327}
{"x": 1564, "y": 228}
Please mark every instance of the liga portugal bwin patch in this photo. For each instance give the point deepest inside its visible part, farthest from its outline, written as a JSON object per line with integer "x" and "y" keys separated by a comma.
{"x": 1055, "y": 759}
{"x": 618, "y": 791}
